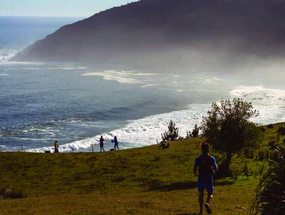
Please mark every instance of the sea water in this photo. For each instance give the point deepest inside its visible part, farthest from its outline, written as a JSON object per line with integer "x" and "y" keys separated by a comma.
{"x": 75, "y": 104}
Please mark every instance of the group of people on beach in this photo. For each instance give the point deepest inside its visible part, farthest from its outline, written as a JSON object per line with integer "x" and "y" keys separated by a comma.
{"x": 115, "y": 141}
{"x": 101, "y": 143}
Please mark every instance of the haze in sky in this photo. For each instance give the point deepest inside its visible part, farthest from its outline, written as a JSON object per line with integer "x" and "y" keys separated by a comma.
{"x": 61, "y": 8}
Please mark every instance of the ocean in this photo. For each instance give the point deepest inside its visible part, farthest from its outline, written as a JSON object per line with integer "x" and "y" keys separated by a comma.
{"x": 75, "y": 104}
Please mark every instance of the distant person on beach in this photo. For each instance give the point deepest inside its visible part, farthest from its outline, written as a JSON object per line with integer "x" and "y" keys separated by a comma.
{"x": 102, "y": 144}
{"x": 55, "y": 146}
{"x": 116, "y": 144}
{"x": 205, "y": 167}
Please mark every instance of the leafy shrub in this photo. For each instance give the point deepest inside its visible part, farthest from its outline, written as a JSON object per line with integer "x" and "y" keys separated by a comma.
{"x": 194, "y": 133}
{"x": 172, "y": 133}
{"x": 269, "y": 197}
{"x": 270, "y": 126}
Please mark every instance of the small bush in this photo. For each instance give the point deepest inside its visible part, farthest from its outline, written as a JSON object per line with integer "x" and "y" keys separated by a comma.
{"x": 194, "y": 133}
{"x": 263, "y": 129}
{"x": 269, "y": 197}
{"x": 172, "y": 133}
{"x": 270, "y": 126}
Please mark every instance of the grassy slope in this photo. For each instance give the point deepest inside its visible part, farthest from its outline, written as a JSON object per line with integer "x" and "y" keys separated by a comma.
{"x": 145, "y": 180}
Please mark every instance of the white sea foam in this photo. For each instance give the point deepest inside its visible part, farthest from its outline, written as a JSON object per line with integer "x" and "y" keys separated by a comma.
{"x": 205, "y": 79}
{"x": 144, "y": 131}
{"x": 6, "y": 54}
{"x": 5, "y": 63}
{"x": 82, "y": 144}
{"x": 147, "y": 131}
{"x": 125, "y": 77}
{"x": 269, "y": 102}
{"x": 67, "y": 67}
{"x": 150, "y": 85}
{"x": 31, "y": 68}
{"x": 4, "y": 74}
{"x": 53, "y": 67}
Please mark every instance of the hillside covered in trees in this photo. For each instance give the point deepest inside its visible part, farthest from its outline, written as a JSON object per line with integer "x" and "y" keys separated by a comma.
{"x": 166, "y": 31}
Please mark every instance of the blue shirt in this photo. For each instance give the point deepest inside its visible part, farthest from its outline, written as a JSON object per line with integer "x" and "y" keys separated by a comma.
{"x": 206, "y": 177}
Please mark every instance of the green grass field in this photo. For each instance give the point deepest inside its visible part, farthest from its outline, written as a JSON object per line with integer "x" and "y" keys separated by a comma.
{"x": 144, "y": 180}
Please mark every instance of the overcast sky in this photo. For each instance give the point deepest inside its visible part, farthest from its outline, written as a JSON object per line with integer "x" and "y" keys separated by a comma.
{"x": 65, "y": 8}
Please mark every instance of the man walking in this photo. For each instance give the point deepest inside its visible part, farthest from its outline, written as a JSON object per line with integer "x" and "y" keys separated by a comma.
{"x": 205, "y": 167}
{"x": 101, "y": 141}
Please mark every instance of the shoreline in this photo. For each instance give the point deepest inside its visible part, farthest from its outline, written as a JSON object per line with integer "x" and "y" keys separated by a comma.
{"x": 108, "y": 146}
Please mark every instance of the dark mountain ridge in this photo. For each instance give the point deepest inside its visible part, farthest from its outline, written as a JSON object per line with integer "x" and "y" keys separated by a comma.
{"x": 156, "y": 30}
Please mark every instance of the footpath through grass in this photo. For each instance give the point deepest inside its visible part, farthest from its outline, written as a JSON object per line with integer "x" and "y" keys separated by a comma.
{"x": 145, "y": 180}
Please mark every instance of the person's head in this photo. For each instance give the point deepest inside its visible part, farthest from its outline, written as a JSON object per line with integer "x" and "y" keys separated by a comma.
{"x": 205, "y": 147}
{"x": 115, "y": 137}
{"x": 55, "y": 141}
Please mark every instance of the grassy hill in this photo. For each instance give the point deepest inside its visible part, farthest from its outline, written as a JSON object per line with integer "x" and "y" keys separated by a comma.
{"x": 144, "y": 180}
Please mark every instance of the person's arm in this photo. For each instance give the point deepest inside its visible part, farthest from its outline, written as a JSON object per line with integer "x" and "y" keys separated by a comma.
{"x": 214, "y": 164}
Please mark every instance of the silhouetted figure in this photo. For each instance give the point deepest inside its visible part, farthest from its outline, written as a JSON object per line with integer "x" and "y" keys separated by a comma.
{"x": 116, "y": 144}
{"x": 205, "y": 167}
{"x": 56, "y": 147}
{"x": 101, "y": 141}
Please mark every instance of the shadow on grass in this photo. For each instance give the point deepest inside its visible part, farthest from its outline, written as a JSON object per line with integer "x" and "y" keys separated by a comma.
{"x": 188, "y": 214}
{"x": 185, "y": 185}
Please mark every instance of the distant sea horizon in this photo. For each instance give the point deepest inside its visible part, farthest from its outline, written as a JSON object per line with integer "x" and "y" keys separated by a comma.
{"x": 75, "y": 103}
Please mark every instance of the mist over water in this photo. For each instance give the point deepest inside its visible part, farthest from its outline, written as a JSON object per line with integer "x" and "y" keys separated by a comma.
{"x": 75, "y": 103}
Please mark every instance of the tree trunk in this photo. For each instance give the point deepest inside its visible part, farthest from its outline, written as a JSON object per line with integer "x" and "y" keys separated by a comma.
{"x": 227, "y": 162}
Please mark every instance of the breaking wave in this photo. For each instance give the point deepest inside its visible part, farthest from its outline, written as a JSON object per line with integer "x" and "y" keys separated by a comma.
{"x": 148, "y": 130}
{"x": 142, "y": 132}
{"x": 269, "y": 102}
